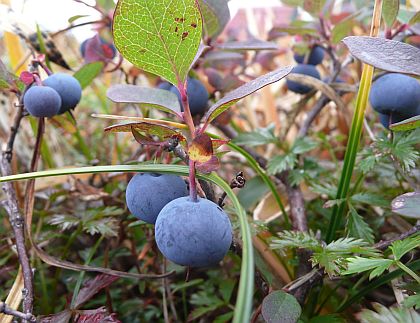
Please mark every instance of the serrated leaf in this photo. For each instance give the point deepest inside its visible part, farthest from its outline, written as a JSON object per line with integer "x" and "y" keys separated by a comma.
{"x": 390, "y": 10}
{"x": 388, "y": 314}
{"x": 401, "y": 247}
{"x": 280, "y": 306}
{"x": 156, "y": 98}
{"x": 358, "y": 265}
{"x": 216, "y": 15}
{"x": 302, "y": 145}
{"x": 407, "y": 205}
{"x": 296, "y": 239}
{"x": 254, "y": 44}
{"x": 385, "y": 54}
{"x": 260, "y": 136}
{"x": 281, "y": 163}
{"x": 357, "y": 227}
{"x": 412, "y": 301}
{"x": 160, "y": 37}
{"x": 87, "y": 73}
{"x": 234, "y": 96}
{"x": 407, "y": 124}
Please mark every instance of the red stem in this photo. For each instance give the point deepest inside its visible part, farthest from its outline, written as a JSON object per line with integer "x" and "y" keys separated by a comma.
{"x": 193, "y": 183}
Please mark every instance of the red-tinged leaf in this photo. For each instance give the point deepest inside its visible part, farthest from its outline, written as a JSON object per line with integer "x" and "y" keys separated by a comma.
{"x": 94, "y": 51}
{"x": 92, "y": 287}
{"x": 217, "y": 143}
{"x": 149, "y": 129}
{"x": 253, "y": 44}
{"x": 201, "y": 149}
{"x": 405, "y": 125}
{"x": 143, "y": 140}
{"x": 156, "y": 98}
{"x": 234, "y": 96}
{"x": 27, "y": 77}
{"x": 385, "y": 54}
{"x": 99, "y": 315}
{"x": 209, "y": 166}
{"x": 61, "y": 317}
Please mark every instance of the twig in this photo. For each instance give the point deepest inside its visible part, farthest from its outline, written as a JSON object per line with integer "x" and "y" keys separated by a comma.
{"x": 382, "y": 245}
{"x": 10, "y": 311}
{"x": 237, "y": 182}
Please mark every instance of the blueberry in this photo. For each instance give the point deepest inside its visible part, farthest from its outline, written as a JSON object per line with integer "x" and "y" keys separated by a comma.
{"x": 304, "y": 69}
{"x": 67, "y": 87}
{"x": 395, "y": 94}
{"x": 197, "y": 96}
{"x": 42, "y": 101}
{"x": 195, "y": 234}
{"x": 315, "y": 57}
{"x": 165, "y": 86}
{"x": 148, "y": 193}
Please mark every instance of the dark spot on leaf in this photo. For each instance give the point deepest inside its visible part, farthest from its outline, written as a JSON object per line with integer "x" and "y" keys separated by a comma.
{"x": 142, "y": 51}
{"x": 184, "y": 35}
{"x": 194, "y": 25}
{"x": 180, "y": 20}
{"x": 176, "y": 29}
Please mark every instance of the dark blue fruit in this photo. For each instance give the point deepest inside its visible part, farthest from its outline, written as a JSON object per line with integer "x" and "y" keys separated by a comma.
{"x": 148, "y": 193}
{"x": 384, "y": 120}
{"x": 67, "y": 87}
{"x": 315, "y": 57}
{"x": 42, "y": 101}
{"x": 195, "y": 234}
{"x": 305, "y": 70}
{"x": 165, "y": 86}
{"x": 197, "y": 96}
{"x": 395, "y": 94}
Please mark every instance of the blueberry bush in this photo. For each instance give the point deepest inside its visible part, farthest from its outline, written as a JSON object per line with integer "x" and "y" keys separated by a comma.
{"x": 184, "y": 165}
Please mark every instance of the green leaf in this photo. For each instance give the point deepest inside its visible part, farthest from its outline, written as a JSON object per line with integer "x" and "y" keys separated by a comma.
{"x": 358, "y": 265}
{"x": 244, "y": 296}
{"x": 389, "y": 314}
{"x": 87, "y": 73}
{"x": 370, "y": 198}
{"x": 407, "y": 205}
{"x": 296, "y": 239}
{"x": 390, "y": 10}
{"x": 252, "y": 192}
{"x": 160, "y": 37}
{"x": 329, "y": 318}
{"x": 216, "y": 15}
{"x": 415, "y": 19}
{"x": 280, "y": 306}
{"x": 357, "y": 227}
{"x": 74, "y": 18}
{"x": 303, "y": 145}
{"x": 407, "y": 124}
{"x": 341, "y": 30}
{"x": 227, "y": 317}
{"x": 260, "y": 136}
{"x": 401, "y": 247}
{"x": 281, "y": 163}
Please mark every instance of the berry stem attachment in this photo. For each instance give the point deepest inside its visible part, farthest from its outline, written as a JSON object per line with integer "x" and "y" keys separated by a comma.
{"x": 182, "y": 88}
{"x": 192, "y": 180}
{"x": 37, "y": 80}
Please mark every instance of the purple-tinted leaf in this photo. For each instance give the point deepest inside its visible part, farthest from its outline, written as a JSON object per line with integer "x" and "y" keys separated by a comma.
{"x": 99, "y": 315}
{"x": 408, "y": 124}
{"x": 221, "y": 82}
{"x": 92, "y": 287}
{"x": 200, "y": 51}
{"x": 281, "y": 307}
{"x": 95, "y": 51}
{"x": 385, "y": 54}
{"x": 216, "y": 15}
{"x": 217, "y": 143}
{"x": 407, "y": 205}
{"x": 209, "y": 166}
{"x": 27, "y": 78}
{"x": 61, "y": 317}
{"x": 234, "y": 96}
{"x": 157, "y": 98}
{"x": 253, "y": 44}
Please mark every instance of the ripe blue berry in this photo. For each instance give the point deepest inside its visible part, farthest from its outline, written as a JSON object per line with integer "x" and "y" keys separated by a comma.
{"x": 397, "y": 95}
{"x": 197, "y": 96}
{"x": 195, "y": 234}
{"x": 315, "y": 57}
{"x": 42, "y": 101}
{"x": 165, "y": 86}
{"x": 304, "y": 69}
{"x": 148, "y": 193}
{"x": 67, "y": 87}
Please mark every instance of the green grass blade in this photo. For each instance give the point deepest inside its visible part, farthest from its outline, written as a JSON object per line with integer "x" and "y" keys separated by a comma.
{"x": 244, "y": 297}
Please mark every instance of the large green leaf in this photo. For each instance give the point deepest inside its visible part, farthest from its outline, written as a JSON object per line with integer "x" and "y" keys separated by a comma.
{"x": 405, "y": 125}
{"x": 243, "y": 304}
{"x": 390, "y": 10}
{"x": 161, "y": 37}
